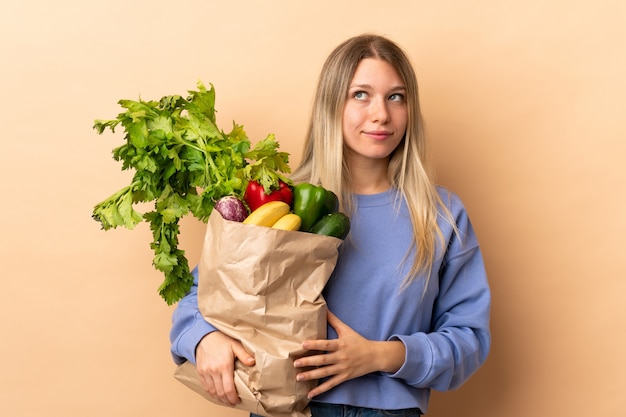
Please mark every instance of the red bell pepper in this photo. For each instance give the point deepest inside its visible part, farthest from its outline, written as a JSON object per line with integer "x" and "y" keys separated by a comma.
{"x": 255, "y": 195}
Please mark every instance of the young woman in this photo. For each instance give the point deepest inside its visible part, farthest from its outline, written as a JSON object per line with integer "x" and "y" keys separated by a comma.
{"x": 409, "y": 300}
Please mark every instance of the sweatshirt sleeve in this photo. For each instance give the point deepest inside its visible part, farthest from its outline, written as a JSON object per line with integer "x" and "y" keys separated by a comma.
{"x": 188, "y": 326}
{"x": 459, "y": 340}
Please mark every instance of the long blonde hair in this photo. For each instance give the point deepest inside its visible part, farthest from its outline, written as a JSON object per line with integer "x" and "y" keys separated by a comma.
{"x": 322, "y": 158}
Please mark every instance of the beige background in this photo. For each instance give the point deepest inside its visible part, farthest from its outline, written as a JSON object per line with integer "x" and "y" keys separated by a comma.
{"x": 524, "y": 102}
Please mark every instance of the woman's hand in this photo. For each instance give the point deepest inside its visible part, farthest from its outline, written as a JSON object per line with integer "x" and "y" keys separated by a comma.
{"x": 215, "y": 362}
{"x": 347, "y": 357}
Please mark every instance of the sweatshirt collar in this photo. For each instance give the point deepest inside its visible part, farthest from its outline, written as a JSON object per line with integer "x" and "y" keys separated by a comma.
{"x": 379, "y": 199}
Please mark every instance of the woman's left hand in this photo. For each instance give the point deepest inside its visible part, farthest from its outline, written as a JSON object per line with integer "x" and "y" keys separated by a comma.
{"x": 347, "y": 357}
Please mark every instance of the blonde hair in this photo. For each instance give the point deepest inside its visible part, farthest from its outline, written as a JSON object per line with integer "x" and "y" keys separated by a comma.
{"x": 322, "y": 158}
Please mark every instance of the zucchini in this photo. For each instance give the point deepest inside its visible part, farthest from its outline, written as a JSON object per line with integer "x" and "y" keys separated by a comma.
{"x": 334, "y": 224}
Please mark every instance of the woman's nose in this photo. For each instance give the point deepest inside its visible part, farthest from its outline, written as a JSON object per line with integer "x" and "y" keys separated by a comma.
{"x": 378, "y": 110}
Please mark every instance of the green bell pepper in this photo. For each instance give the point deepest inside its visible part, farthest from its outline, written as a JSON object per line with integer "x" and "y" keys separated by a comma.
{"x": 312, "y": 202}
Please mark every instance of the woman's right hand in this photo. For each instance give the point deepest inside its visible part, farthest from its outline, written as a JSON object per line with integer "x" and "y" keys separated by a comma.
{"x": 215, "y": 362}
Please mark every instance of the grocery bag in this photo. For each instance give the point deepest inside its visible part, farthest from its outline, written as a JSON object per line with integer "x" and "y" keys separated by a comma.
{"x": 263, "y": 287}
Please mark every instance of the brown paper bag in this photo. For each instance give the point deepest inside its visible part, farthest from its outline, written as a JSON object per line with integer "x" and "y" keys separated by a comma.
{"x": 263, "y": 286}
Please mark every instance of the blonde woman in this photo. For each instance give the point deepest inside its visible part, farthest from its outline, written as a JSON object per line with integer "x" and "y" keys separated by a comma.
{"x": 409, "y": 301}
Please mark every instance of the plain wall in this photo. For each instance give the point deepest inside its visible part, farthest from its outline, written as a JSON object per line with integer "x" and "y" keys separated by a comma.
{"x": 524, "y": 105}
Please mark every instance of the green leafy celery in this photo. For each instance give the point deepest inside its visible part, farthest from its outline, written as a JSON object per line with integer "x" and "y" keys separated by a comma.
{"x": 183, "y": 163}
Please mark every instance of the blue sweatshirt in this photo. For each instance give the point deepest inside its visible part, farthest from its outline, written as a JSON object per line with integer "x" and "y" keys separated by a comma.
{"x": 445, "y": 329}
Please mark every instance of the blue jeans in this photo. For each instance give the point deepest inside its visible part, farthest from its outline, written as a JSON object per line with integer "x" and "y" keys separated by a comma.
{"x": 332, "y": 410}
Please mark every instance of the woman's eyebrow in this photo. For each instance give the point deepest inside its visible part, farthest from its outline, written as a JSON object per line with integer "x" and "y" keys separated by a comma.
{"x": 368, "y": 86}
{"x": 365, "y": 86}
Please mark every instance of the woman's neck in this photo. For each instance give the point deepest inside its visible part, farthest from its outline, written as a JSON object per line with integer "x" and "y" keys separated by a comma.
{"x": 370, "y": 177}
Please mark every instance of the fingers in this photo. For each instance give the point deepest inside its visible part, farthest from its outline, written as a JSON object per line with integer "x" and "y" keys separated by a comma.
{"x": 332, "y": 319}
{"x": 322, "y": 388}
{"x": 318, "y": 372}
{"x": 340, "y": 327}
{"x": 335, "y": 372}
{"x": 324, "y": 364}
{"x": 215, "y": 362}
{"x": 346, "y": 357}
{"x": 242, "y": 354}
{"x": 219, "y": 382}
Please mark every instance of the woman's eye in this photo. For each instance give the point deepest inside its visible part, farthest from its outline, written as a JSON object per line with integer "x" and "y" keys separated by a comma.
{"x": 396, "y": 97}
{"x": 359, "y": 95}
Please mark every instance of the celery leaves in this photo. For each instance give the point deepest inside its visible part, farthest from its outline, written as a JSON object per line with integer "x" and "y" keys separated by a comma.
{"x": 183, "y": 163}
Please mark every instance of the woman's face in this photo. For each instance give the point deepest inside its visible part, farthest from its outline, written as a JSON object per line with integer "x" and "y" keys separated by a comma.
{"x": 375, "y": 114}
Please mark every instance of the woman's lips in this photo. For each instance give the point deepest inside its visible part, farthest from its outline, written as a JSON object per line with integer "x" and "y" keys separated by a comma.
{"x": 378, "y": 134}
